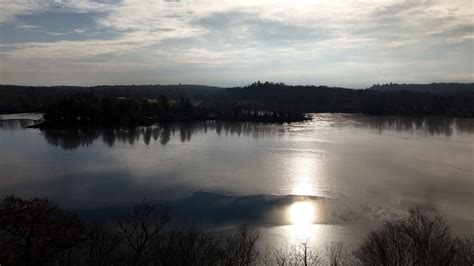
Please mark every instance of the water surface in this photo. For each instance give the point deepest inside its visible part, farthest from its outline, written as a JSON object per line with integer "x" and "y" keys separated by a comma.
{"x": 360, "y": 170}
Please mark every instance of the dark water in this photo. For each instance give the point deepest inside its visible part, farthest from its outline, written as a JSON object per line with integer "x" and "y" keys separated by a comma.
{"x": 358, "y": 170}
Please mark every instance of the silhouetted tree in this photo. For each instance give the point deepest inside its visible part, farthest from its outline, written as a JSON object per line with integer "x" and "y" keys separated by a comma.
{"x": 103, "y": 245}
{"x": 337, "y": 254}
{"x": 141, "y": 226}
{"x": 36, "y": 231}
{"x": 164, "y": 106}
{"x": 422, "y": 238}
{"x": 301, "y": 254}
{"x": 240, "y": 249}
{"x": 184, "y": 105}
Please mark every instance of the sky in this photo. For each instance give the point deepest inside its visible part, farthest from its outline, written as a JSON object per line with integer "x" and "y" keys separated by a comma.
{"x": 231, "y": 43}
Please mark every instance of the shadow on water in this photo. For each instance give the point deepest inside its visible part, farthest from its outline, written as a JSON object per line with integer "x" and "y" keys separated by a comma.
{"x": 207, "y": 209}
{"x": 204, "y": 208}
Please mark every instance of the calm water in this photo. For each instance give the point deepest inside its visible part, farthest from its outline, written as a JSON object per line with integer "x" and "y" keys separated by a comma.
{"x": 358, "y": 170}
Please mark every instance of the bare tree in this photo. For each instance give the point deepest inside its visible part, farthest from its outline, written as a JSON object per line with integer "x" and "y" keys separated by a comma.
{"x": 284, "y": 257}
{"x": 141, "y": 226}
{"x": 298, "y": 255}
{"x": 308, "y": 256}
{"x": 336, "y": 253}
{"x": 266, "y": 258}
{"x": 187, "y": 247}
{"x": 240, "y": 249}
{"x": 102, "y": 245}
{"x": 422, "y": 238}
{"x": 36, "y": 231}
{"x": 465, "y": 251}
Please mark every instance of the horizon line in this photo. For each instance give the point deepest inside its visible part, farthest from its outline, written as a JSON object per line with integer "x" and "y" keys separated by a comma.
{"x": 226, "y": 87}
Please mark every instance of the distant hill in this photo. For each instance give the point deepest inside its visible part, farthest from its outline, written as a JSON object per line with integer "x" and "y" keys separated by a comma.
{"x": 432, "y": 87}
{"x": 15, "y": 98}
{"x": 111, "y": 90}
{"x": 450, "y": 99}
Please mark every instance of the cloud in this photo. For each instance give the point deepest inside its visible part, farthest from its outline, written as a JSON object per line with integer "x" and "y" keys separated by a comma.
{"x": 350, "y": 37}
{"x": 9, "y": 9}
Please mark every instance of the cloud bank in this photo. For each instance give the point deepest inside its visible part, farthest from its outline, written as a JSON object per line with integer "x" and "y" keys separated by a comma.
{"x": 343, "y": 43}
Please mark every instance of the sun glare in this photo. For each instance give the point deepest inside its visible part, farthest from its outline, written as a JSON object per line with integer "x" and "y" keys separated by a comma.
{"x": 302, "y": 213}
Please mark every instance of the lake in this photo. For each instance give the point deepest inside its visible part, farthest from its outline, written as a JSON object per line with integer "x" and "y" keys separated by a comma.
{"x": 356, "y": 170}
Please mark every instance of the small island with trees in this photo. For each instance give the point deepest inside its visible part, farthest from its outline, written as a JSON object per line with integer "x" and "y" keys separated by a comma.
{"x": 87, "y": 110}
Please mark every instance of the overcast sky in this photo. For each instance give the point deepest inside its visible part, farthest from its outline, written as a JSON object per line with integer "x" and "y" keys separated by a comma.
{"x": 226, "y": 43}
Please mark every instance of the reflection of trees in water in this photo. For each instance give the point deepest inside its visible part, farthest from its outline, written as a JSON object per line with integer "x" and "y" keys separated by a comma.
{"x": 425, "y": 126}
{"x": 70, "y": 139}
{"x": 73, "y": 138}
{"x": 133, "y": 135}
{"x": 108, "y": 136}
{"x": 465, "y": 125}
{"x": 254, "y": 130}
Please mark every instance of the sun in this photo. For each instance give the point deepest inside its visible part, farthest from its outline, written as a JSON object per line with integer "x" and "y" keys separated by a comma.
{"x": 302, "y": 213}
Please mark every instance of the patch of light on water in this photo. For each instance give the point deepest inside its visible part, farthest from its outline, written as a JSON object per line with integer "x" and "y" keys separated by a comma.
{"x": 305, "y": 171}
{"x": 302, "y": 213}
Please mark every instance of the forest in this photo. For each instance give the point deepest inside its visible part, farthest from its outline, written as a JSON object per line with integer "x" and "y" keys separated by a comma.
{"x": 86, "y": 109}
{"x": 257, "y": 102}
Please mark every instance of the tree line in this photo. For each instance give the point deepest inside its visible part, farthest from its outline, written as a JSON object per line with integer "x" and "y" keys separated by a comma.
{"x": 456, "y": 100}
{"x": 38, "y": 232}
{"x": 443, "y": 99}
{"x": 88, "y": 109}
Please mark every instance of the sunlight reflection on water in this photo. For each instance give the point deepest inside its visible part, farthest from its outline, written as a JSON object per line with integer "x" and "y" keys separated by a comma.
{"x": 305, "y": 170}
{"x": 302, "y": 213}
